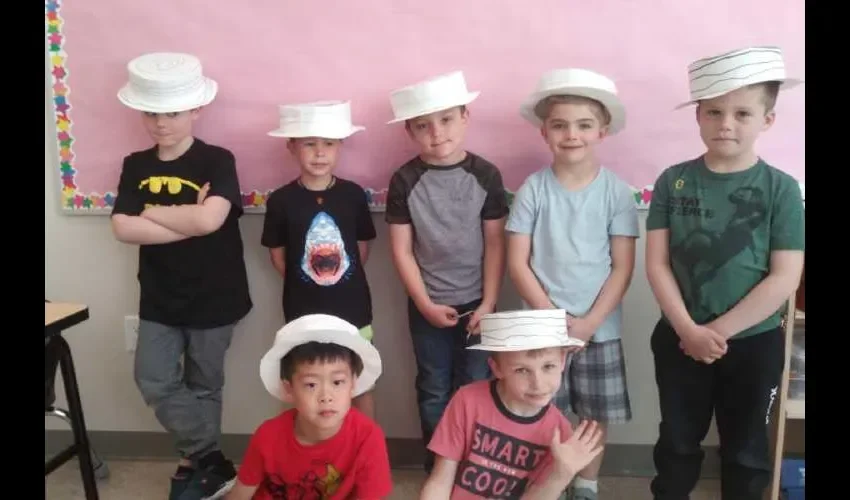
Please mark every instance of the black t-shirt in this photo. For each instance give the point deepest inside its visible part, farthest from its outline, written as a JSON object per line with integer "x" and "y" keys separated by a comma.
{"x": 319, "y": 231}
{"x": 198, "y": 282}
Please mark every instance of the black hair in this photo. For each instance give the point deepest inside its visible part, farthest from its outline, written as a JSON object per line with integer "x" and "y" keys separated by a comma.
{"x": 323, "y": 352}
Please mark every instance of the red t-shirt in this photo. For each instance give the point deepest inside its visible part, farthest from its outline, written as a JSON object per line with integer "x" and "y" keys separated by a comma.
{"x": 352, "y": 464}
{"x": 498, "y": 453}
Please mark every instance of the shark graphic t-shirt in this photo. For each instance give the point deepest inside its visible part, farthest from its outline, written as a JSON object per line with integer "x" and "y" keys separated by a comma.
{"x": 499, "y": 454}
{"x": 352, "y": 464}
{"x": 201, "y": 281}
{"x": 723, "y": 228}
{"x": 319, "y": 231}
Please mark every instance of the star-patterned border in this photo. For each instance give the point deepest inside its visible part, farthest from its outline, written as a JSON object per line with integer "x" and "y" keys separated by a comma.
{"x": 75, "y": 201}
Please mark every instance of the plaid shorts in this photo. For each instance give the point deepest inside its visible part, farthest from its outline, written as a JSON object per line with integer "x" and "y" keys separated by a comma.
{"x": 594, "y": 384}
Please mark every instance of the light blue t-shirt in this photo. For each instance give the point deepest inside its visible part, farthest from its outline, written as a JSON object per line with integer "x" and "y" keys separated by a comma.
{"x": 571, "y": 238}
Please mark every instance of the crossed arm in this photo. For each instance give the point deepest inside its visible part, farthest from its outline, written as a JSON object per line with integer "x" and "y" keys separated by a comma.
{"x": 166, "y": 224}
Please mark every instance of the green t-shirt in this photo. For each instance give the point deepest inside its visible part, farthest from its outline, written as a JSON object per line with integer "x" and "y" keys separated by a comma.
{"x": 722, "y": 230}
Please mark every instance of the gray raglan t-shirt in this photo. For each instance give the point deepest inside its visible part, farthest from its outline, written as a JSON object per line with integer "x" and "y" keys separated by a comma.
{"x": 446, "y": 205}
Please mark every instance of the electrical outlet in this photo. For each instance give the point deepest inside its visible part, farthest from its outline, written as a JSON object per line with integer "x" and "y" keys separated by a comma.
{"x": 131, "y": 332}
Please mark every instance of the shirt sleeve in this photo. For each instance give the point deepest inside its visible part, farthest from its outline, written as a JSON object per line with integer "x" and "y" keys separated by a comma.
{"x": 274, "y": 225}
{"x": 224, "y": 181}
{"x": 128, "y": 201}
{"x": 658, "y": 216}
{"x": 374, "y": 480}
{"x": 523, "y": 213}
{"x": 398, "y": 211}
{"x": 449, "y": 439}
{"x": 625, "y": 219}
{"x": 252, "y": 470}
{"x": 496, "y": 203}
{"x": 365, "y": 225}
{"x": 788, "y": 221}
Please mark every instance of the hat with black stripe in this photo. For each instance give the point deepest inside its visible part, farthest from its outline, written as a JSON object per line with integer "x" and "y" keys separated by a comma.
{"x": 715, "y": 76}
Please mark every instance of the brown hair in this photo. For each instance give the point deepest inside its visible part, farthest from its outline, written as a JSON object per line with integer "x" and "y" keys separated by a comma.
{"x": 544, "y": 107}
{"x": 770, "y": 92}
{"x": 462, "y": 109}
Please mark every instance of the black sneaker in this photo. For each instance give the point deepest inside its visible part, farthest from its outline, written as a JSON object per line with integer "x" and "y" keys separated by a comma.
{"x": 211, "y": 482}
{"x": 179, "y": 481}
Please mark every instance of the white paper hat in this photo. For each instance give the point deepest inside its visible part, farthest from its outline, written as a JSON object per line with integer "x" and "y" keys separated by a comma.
{"x": 326, "y": 119}
{"x": 319, "y": 328}
{"x": 167, "y": 82}
{"x": 524, "y": 330}
{"x": 578, "y": 82}
{"x": 714, "y": 76}
{"x": 436, "y": 94}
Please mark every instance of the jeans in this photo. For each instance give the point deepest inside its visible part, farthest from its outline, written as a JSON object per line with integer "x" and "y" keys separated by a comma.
{"x": 187, "y": 402}
{"x": 442, "y": 365}
{"x": 741, "y": 389}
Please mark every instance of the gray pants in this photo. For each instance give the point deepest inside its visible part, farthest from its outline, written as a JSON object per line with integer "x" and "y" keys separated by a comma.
{"x": 187, "y": 401}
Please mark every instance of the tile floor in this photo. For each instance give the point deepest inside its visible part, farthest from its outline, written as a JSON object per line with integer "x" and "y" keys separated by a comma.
{"x": 136, "y": 480}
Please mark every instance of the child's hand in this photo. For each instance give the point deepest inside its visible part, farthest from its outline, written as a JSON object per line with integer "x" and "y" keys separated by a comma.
{"x": 202, "y": 194}
{"x": 578, "y": 451}
{"x": 439, "y": 315}
{"x": 581, "y": 328}
{"x": 703, "y": 344}
{"x": 473, "y": 327}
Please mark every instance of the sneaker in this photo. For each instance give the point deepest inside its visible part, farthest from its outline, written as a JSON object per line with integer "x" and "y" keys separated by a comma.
{"x": 179, "y": 481}
{"x": 581, "y": 494}
{"x": 211, "y": 483}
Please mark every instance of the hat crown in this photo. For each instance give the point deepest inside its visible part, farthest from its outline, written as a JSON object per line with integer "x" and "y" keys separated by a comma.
{"x": 528, "y": 329}
{"x": 315, "y": 322}
{"x": 717, "y": 75}
{"x": 166, "y": 74}
{"x": 575, "y": 77}
{"x": 329, "y": 119}
{"x": 438, "y": 93}
{"x": 321, "y": 112}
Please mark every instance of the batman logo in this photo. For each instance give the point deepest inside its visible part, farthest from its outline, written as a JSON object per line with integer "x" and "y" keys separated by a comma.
{"x": 173, "y": 184}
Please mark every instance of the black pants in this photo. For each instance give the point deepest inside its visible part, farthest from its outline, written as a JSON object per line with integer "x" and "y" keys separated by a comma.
{"x": 741, "y": 388}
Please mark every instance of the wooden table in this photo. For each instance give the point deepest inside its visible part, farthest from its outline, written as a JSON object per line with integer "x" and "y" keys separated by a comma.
{"x": 58, "y": 317}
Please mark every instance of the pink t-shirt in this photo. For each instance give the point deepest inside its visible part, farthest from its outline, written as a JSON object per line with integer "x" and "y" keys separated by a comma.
{"x": 498, "y": 453}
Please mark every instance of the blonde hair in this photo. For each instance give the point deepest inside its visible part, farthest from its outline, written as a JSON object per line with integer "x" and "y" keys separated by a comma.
{"x": 544, "y": 107}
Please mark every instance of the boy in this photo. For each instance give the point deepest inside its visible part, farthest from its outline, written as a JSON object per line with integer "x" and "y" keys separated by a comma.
{"x": 503, "y": 438}
{"x": 725, "y": 240}
{"x": 573, "y": 226}
{"x": 446, "y": 209}
{"x": 180, "y": 202}
{"x": 322, "y": 447}
{"x": 318, "y": 227}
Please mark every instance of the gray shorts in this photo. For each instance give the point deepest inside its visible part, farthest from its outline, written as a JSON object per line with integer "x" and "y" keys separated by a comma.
{"x": 594, "y": 384}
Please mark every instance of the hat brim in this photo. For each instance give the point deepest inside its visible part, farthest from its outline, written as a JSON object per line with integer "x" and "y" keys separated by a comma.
{"x": 470, "y": 96}
{"x": 785, "y": 84}
{"x": 270, "y": 363}
{"x": 613, "y": 103}
{"x": 569, "y": 342}
{"x": 133, "y": 100}
{"x": 316, "y": 133}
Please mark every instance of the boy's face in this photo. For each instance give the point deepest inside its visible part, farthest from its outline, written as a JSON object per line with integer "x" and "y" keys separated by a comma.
{"x": 440, "y": 135}
{"x": 316, "y": 156}
{"x": 572, "y": 130}
{"x": 169, "y": 129}
{"x": 730, "y": 124}
{"x": 322, "y": 392}
{"x": 529, "y": 379}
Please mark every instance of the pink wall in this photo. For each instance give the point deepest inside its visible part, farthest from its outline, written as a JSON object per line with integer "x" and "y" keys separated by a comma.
{"x": 267, "y": 52}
